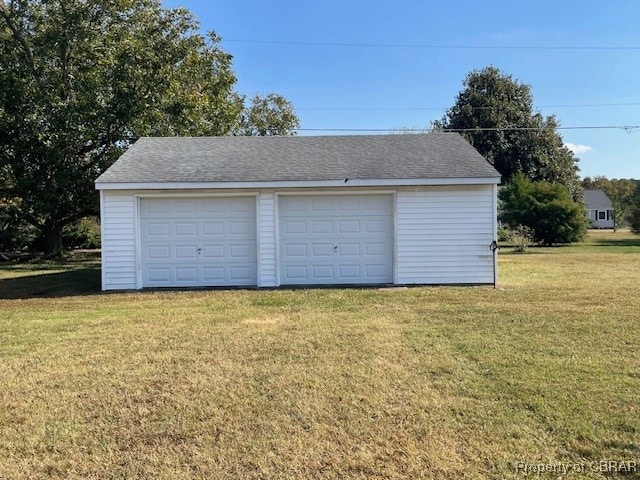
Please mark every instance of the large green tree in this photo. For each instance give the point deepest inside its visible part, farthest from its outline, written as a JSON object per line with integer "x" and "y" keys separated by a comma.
{"x": 495, "y": 113}
{"x": 82, "y": 79}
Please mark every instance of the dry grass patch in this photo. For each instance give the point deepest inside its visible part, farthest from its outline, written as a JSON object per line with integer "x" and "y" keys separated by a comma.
{"x": 406, "y": 383}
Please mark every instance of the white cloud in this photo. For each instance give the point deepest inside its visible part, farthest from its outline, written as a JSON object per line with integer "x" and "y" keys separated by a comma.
{"x": 578, "y": 148}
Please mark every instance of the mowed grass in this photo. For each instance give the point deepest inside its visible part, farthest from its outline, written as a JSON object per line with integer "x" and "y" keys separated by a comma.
{"x": 425, "y": 382}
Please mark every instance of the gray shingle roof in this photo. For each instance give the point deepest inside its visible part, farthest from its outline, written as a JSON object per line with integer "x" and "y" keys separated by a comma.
{"x": 272, "y": 159}
{"x": 597, "y": 200}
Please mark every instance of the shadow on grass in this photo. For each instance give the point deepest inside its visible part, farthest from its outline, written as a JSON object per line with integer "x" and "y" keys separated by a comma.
{"x": 617, "y": 242}
{"x": 78, "y": 281}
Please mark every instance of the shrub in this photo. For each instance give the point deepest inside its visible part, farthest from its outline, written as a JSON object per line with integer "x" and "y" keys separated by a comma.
{"x": 634, "y": 217}
{"x": 84, "y": 233}
{"x": 520, "y": 238}
{"x": 546, "y": 208}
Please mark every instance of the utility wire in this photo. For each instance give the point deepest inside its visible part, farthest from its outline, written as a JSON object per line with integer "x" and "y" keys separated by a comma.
{"x": 390, "y": 109}
{"x": 433, "y": 46}
{"x": 627, "y": 128}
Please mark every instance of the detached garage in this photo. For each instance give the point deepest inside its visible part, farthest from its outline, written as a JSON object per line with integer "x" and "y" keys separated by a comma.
{"x": 271, "y": 211}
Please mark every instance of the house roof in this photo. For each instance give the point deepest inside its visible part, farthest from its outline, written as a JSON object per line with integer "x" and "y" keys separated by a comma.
{"x": 290, "y": 159}
{"x": 597, "y": 200}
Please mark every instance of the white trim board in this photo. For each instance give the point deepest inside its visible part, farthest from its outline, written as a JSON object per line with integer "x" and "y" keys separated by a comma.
{"x": 297, "y": 184}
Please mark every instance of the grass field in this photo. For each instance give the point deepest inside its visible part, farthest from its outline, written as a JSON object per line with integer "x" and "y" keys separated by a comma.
{"x": 426, "y": 382}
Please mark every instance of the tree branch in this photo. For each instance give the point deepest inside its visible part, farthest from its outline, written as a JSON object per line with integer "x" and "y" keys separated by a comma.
{"x": 19, "y": 38}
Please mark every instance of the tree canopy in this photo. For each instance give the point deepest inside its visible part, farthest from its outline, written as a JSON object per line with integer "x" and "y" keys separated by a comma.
{"x": 545, "y": 208}
{"x": 80, "y": 80}
{"x": 267, "y": 116}
{"x": 495, "y": 113}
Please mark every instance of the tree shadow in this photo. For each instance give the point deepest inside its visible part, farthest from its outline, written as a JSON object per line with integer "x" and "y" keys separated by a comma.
{"x": 77, "y": 281}
{"x": 617, "y": 242}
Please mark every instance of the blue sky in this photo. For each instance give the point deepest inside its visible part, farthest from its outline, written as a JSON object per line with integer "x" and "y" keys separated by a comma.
{"x": 391, "y": 88}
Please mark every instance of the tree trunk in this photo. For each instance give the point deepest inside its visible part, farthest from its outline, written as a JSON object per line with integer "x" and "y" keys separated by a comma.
{"x": 52, "y": 234}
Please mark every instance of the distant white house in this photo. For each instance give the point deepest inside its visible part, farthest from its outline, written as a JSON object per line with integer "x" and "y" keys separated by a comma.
{"x": 599, "y": 209}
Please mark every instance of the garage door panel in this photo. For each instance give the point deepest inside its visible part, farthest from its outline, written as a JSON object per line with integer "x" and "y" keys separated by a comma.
{"x": 336, "y": 239}
{"x": 376, "y": 226}
{"x": 186, "y": 206}
{"x": 322, "y": 272}
{"x": 240, "y": 274}
{"x": 186, "y": 229}
{"x": 295, "y": 272}
{"x": 294, "y": 205}
{"x": 349, "y": 226}
{"x": 373, "y": 249}
{"x": 187, "y": 274}
{"x": 162, "y": 274}
{"x": 376, "y": 271}
{"x": 374, "y": 204}
{"x": 322, "y": 205}
{"x": 295, "y": 227}
{"x": 211, "y": 229}
{"x": 162, "y": 253}
{"x": 240, "y": 207}
{"x": 350, "y": 249}
{"x": 214, "y": 275}
{"x": 349, "y": 272}
{"x": 241, "y": 252}
{"x": 198, "y": 242}
{"x": 186, "y": 252}
{"x": 243, "y": 228}
{"x": 159, "y": 230}
{"x": 213, "y": 205}
{"x": 296, "y": 250}
{"x": 319, "y": 250}
{"x": 213, "y": 252}
{"x": 349, "y": 204}
{"x": 322, "y": 227}
{"x": 158, "y": 206}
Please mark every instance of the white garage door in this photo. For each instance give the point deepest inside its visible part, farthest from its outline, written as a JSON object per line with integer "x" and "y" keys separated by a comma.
{"x": 187, "y": 242}
{"x": 344, "y": 239}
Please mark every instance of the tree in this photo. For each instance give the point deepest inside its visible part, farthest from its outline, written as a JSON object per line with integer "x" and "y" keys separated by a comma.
{"x": 634, "y": 216}
{"x": 267, "y": 116}
{"x": 80, "y": 80}
{"x": 634, "y": 211}
{"x": 494, "y": 112}
{"x": 546, "y": 208}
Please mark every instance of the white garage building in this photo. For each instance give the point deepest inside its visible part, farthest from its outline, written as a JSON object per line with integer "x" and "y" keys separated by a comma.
{"x": 271, "y": 211}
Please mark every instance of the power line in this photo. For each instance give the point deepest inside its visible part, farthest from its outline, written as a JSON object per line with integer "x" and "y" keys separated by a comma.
{"x": 627, "y": 128}
{"x": 433, "y": 46}
{"x": 390, "y": 109}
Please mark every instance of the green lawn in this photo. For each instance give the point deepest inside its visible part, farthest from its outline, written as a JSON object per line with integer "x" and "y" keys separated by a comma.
{"x": 426, "y": 382}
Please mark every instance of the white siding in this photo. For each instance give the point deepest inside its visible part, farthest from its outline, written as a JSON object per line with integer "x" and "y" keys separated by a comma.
{"x": 267, "y": 239}
{"x": 596, "y": 222}
{"x": 443, "y": 235}
{"x": 118, "y": 240}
